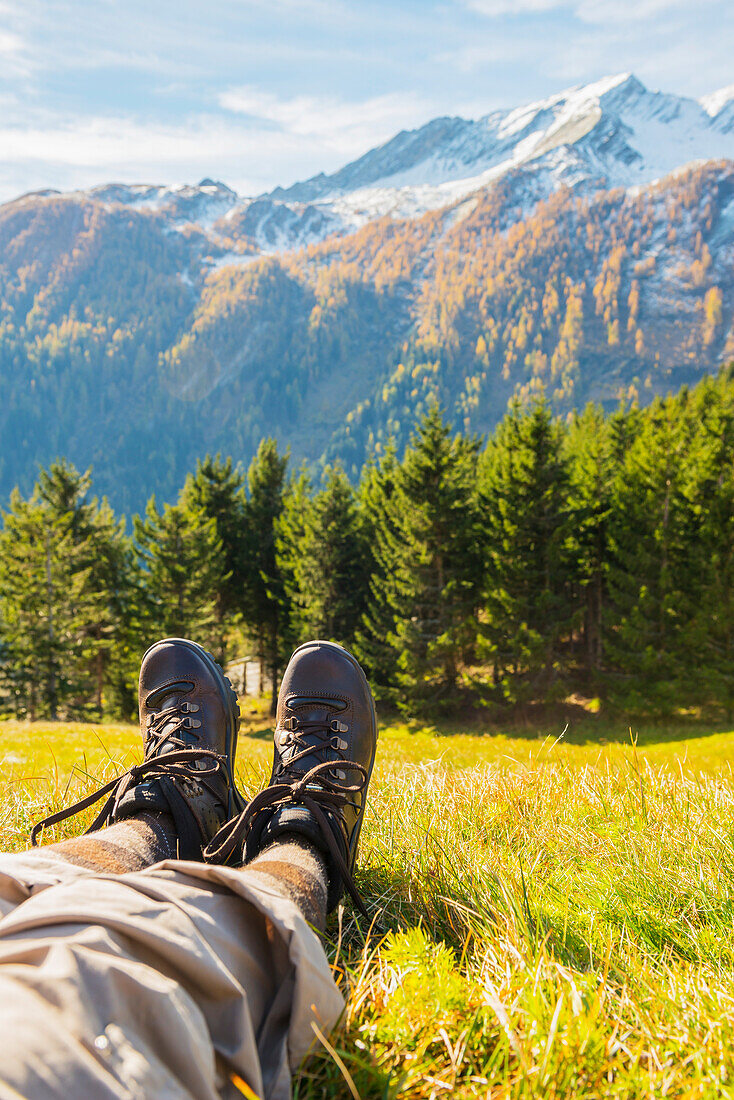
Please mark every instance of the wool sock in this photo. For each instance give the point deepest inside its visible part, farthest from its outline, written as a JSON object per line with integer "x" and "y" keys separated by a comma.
{"x": 129, "y": 845}
{"x": 297, "y": 870}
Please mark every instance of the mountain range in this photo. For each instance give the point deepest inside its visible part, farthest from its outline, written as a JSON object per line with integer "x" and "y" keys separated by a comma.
{"x": 582, "y": 245}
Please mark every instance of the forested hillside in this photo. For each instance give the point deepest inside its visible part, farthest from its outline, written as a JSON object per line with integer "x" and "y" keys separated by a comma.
{"x": 588, "y": 559}
{"x": 133, "y": 345}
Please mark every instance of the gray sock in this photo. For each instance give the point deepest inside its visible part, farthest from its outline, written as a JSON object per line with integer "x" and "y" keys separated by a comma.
{"x": 298, "y": 871}
{"x": 129, "y": 845}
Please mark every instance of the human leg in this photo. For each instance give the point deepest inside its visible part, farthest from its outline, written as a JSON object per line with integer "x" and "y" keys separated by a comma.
{"x": 183, "y": 977}
{"x": 167, "y": 982}
{"x": 297, "y": 870}
{"x": 175, "y": 800}
{"x": 129, "y": 845}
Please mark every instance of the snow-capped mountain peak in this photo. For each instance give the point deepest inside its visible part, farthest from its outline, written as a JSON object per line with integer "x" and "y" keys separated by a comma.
{"x": 573, "y": 102}
{"x": 611, "y": 133}
{"x": 183, "y": 203}
{"x": 715, "y": 103}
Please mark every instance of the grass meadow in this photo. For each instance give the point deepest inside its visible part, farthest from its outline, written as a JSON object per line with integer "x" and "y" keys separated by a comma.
{"x": 549, "y": 917}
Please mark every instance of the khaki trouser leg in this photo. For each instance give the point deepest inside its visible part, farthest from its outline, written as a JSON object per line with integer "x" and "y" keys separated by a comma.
{"x": 166, "y": 983}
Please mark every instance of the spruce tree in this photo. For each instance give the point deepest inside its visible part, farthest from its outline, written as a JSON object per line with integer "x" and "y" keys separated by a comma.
{"x": 290, "y": 528}
{"x": 707, "y": 639}
{"x": 592, "y": 470}
{"x": 265, "y": 604}
{"x": 216, "y": 491}
{"x": 652, "y": 573}
{"x": 31, "y": 616}
{"x": 49, "y": 600}
{"x": 181, "y": 568}
{"x": 377, "y": 489}
{"x": 106, "y": 554}
{"x": 430, "y": 565}
{"x": 117, "y": 631}
{"x": 328, "y": 560}
{"x": 528, "y": 606}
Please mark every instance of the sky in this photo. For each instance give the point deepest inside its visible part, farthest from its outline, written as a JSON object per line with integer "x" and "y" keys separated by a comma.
{"x": 265, "y": 92}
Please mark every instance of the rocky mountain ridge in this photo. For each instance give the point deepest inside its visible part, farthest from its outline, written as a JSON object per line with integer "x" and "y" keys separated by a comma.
{"x": 611, "y": 133}
{"x": 142, "y": 326}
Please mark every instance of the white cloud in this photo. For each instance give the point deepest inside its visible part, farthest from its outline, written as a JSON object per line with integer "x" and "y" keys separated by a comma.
{"x": 15, "y": 55}
{"x": 106, "y": 142}
{"x": 79, "y": 154}
{"x": 278, "y": 141}
{"x": 493, "y": 8}
{"x": 10, "y": 43}
{"x": 110, "y": 142}
{"x": 348, "y": 127}
{"x": 624, "y": 12}
{"x": 590, "y": 11}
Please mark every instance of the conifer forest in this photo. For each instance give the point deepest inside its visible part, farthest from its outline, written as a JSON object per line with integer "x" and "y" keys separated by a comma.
{"x": 586, "y": 556}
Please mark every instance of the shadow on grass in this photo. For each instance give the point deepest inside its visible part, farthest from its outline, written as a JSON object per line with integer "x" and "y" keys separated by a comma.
{"x": 536, "y": 722}
{"x": 571, "y": 722}
{"x": 457, "y": 912}
{"x": 264, "y": 733}
{"x": 321, "y": 1075}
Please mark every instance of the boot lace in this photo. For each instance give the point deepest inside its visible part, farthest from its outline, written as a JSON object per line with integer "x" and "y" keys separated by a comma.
{"x": 164, "y": 726}
{"x": 174, "y": 763}
{"x": 323, "y": 787}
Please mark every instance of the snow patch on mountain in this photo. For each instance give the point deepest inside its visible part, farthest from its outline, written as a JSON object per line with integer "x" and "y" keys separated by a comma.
{"x": 611, "y": 133}
{"x": 715, "y": 103}
{"x": 234, "y": 259}
{"x": 201, "y": 204}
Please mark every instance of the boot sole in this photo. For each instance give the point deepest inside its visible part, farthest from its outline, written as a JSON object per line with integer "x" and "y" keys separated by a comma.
{"x": 354, "y": 843}
{"x": 229, "y": 697}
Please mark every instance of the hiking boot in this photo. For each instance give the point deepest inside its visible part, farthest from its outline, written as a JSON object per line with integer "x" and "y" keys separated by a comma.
{"x": 189, "y": 719}
{"x": 325, "y": 743}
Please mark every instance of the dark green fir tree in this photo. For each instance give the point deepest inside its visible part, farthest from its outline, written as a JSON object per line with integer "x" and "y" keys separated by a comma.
{"x": 529, "y": 611}
{"x": 327, "y": 560}
{"x": 592, "y": 471}
{"x": 181, "y": 569}
{"x": 216, "y": 491}
{"x": 265, "y": 603}
{"x": 377, "y": 489}
{"x": 653, "y": 563}
{"x": 430, "y": 574}
{"x": 105, "y": 552}
{"x": 55, "y": 613}
{"x": 708, "y": 635}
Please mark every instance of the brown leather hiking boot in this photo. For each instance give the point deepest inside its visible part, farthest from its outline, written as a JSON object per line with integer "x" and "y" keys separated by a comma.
{"x": 189, "y": 719}
{"x": 325, "y": 743}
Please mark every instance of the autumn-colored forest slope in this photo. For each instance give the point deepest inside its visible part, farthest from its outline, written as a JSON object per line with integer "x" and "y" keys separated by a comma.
{"x": 135, "y": 347}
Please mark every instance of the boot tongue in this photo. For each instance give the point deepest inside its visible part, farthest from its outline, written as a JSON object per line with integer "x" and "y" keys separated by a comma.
{"x": 172, "y": 724}
{"x": 167, "y": 698}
